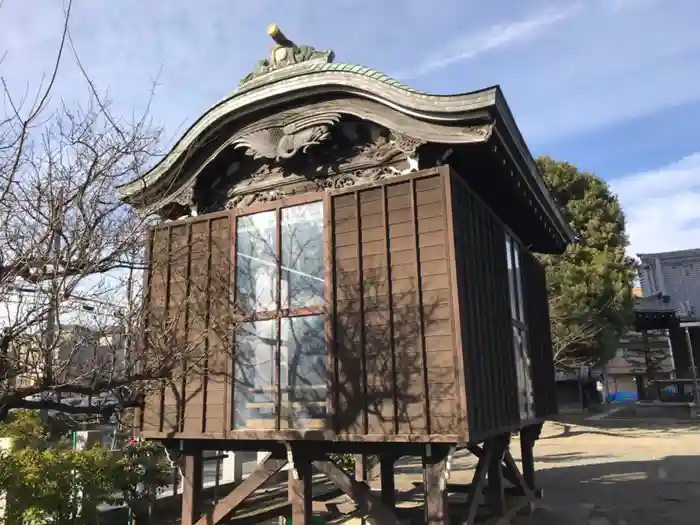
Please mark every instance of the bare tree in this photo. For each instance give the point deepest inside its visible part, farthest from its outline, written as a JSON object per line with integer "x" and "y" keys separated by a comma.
{"x": 70, "y": 251}
{"x": 570, "y": 336}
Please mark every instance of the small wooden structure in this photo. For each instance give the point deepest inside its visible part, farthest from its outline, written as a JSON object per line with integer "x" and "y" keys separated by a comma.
{"x": 345, "y": 266}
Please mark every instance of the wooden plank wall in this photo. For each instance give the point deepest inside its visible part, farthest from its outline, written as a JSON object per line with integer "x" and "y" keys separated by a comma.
{"x": 540, "y": 335}
{"x": 485, "y": 317}
{"x": 394, "y": 358}
{"x": 189, "y": 325}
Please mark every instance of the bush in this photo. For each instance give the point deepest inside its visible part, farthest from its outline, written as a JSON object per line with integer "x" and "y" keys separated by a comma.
{"x": 59, "y": 486}
{"x": 142, "y": 467}
{"x": 345, "y": 462}
{"x": 52, "y": 486}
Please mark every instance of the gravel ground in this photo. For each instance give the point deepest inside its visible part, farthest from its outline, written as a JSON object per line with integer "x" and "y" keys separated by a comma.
{"x": 604, "y": 472}
{"x": 619, "y": 473}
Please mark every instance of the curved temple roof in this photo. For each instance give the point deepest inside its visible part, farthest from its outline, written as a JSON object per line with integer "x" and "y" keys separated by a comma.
{"x": 293, "y": 72}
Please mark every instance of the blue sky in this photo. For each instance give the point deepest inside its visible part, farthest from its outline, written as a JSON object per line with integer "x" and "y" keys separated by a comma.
{"x": 612, "y": 86}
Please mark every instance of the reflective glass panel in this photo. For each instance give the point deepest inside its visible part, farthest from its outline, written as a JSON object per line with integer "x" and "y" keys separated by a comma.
{"x": 303, "y": 372}
{"x": 256, "y": 261}
{"x": 302, "y": 256}
{"x": 254, "y": 392}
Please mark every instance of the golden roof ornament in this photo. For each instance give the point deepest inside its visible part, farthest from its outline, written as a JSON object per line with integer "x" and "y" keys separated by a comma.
{"x": 285, "y": 53}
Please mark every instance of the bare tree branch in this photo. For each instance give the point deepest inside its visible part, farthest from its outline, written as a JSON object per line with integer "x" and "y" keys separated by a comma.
{"x": 71, "y": 253}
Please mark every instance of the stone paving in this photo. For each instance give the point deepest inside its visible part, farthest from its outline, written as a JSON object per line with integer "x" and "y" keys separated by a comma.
{"x": 604, "y": 472}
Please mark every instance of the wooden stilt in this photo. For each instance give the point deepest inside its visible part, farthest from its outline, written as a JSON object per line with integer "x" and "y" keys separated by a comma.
{"x": 367, "y": 502}
{"x": 479, "y": 453}
{"x": 434, "y": 466}
{"x": 300, "y": 491}
{"x": 475, "y": 493}
{"x": 191, "y": 487}
{"x": 360, "y": 468}
{"x": 388, "y": 482}
{"x": 497, "y": 497}
{"x": 528, "y": 436}
{"x": 225, "y": 507}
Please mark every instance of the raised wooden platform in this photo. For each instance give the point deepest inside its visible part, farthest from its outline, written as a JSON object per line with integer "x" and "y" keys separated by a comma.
{"x": 498, "y": 491}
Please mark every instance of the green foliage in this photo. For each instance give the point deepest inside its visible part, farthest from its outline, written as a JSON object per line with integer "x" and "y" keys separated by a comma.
{"x": 345, "y": 462}
{"x": 25, "y": 428}
{"x": 141, "y": 468}
{"x": 51, "y": 485}
{"x": 590, "y": 284}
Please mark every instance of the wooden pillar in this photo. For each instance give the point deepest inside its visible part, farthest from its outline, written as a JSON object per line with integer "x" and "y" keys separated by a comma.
{"x": 693, "y": 367}
{"x": 434, "y": 466}
{"x": 191, "y": 487}
{"x": 300, "y": 491}
{"x": 680, "y": 351}
{"x": 366, "y": 468}
{"x": 496, "y": 490}
{"x": 528, "y": 436}
{"x": 388, "y": 482}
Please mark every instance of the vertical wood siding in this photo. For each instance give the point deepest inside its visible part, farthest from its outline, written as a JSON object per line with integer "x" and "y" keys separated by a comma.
{"x": 487, "y": 335}
{"x": 395, "y": 365}
{"x": 394, "y": 352}
{"x": 189, "y": 318}
{"x": 540, "y": 335}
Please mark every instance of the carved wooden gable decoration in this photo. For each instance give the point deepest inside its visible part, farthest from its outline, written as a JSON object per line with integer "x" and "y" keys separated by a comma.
{"x": 301, "y": 122}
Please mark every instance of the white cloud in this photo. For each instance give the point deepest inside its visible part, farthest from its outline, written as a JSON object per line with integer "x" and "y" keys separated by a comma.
{"x": 662, "y": 206}
{"x": 497, "y": 36}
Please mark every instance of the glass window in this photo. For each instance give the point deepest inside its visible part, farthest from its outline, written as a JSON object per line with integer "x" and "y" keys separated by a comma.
{"x": 303, "y": 371}
{"x": 511, "y": 278}
{"x": 520, "y": 335}
{"x": 280, "y": 368}
{"x": 255, "y": 371}
{"x": 302, "y": 256}
{"x": 256, "y": 262}
{"x": 518, "y": 281}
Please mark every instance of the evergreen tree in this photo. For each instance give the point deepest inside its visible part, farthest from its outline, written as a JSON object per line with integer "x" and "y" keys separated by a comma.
{"x": 590, "y": 284}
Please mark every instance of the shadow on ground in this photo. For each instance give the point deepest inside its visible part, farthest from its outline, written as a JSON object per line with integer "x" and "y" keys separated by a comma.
{"x": 665, "y": 490}
{"x": 569, "y": 426}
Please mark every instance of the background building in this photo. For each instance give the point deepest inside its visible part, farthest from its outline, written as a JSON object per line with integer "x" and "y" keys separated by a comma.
{"x": 80, "y": 356}
{"x": 670, "y": 282}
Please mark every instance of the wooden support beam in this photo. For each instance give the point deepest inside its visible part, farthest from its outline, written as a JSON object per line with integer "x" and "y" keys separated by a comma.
{"x": 300, "y": 491}
{"x": 497, "y": 496}
{"x": 434, "y": 468}
{"x": 528, "y": 436}
{"x": 388, "y": 481}
{"x": 479, "y": 453}
{"x": 225, "y": 507}
{"x": 475, "y": 493}
{"x": 369, "y": 504}
{"x": 191, "y": 487}
{"x": 366, "y": 467}
{"x": 511, "y": 467}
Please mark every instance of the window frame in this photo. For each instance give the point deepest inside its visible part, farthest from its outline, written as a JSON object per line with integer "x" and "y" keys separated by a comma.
{"x": 278, "y": 314}
{"x": 519, "y": 319}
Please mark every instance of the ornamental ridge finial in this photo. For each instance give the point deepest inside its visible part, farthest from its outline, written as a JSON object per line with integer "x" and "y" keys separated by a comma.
{"x": 283, "y": 54}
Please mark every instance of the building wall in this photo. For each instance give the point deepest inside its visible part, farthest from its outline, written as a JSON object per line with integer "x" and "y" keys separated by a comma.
{"x": 80, "y": 354}
{"x": 630, "y": 363}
